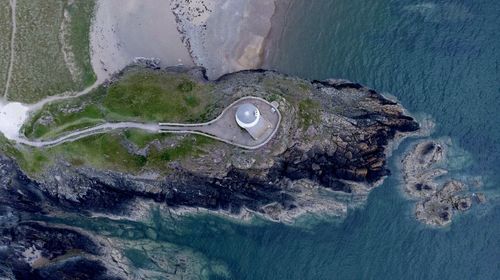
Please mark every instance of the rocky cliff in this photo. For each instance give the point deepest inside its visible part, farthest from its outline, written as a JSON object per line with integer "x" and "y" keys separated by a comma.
{"x": 332, "y": 142}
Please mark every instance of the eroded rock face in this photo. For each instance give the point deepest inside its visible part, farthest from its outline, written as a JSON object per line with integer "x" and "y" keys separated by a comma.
{"x": 34, "y": 247}
{"x": 333, "y": 137}
{"x": 28, "y": 249}
{"x": 437, "y": 201}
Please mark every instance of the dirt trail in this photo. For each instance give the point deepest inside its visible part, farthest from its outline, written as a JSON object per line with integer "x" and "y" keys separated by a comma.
{"x": 12, "y": 46}
{"x": 63, "y": 96}
{"x": 66, "y": 48}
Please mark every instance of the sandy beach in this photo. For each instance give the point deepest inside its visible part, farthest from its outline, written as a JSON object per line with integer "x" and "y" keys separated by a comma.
{"x": 126, "y": 29}
{"x": 279, "y": 20}
{"x": 225, "y": 35}
{"x": 221, "y": 35}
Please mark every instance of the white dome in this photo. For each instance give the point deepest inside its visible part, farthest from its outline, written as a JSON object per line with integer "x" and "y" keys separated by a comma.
{"x": 247, "y": 115}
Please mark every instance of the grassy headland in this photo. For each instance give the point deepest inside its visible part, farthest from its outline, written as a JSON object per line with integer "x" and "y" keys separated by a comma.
{"x": 141, "y": 95}
{"x": 149, "y": 96}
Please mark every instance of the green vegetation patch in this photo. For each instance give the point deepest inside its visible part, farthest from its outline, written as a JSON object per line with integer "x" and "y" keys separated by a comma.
{"x": 39, "y": 67}
{"x": 309, "y": 112}
{"x": 298, "y": 93}
{"x": 140, "y": 95}
{"x": 55, "y": 119}
{"x": 51, "y": 50}
{"x": 190, "y": 146}
{"x": 102, "y": 151}
{"x": 80, "y": 14}
{"x": 30, "y": 160}
{"x": 150, "y": 95}
{"x": 107, "y": 151}
{"x": 142, "y": 138}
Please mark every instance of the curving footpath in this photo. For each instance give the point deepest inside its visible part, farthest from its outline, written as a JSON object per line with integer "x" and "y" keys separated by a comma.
{"x": 99, "y": 129}
{"x": 223, "y": 128}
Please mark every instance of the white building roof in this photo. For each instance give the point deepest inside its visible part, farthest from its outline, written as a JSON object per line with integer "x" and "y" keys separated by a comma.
{"x": 247, "y": 115}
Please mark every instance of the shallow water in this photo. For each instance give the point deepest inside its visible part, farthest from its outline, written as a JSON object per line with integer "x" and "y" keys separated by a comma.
{"x": 440, "y": 59}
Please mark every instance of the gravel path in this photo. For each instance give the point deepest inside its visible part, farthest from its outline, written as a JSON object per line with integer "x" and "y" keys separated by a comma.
{"x": 12, "y": 49}
{"x": 223, "y": 128}
{"x": 103, "y": 128}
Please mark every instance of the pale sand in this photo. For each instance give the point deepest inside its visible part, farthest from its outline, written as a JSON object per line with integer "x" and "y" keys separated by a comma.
{"x": 279, "y": 21}
{"x": 225, "y": 35}
{"x": 125, "y": 29}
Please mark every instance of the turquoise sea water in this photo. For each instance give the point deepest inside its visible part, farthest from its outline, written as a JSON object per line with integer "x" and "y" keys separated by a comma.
{"x": 440, "y": 59}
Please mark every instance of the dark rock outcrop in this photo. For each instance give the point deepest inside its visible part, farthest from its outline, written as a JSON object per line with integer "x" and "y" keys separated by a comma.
{"x": 32, "y": 249}
{"x": 437, "y": 202}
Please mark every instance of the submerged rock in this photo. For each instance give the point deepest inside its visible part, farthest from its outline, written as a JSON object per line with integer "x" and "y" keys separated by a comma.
{"x": 437, "y": 202}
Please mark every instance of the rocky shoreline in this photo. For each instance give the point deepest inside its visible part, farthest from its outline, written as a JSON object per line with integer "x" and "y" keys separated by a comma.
{"x": 333, "y": 139}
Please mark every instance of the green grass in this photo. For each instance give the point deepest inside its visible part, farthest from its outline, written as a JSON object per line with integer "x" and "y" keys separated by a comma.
{"x": 81, "y": 14}
{"x": 189, "y": 146}
{"x": 105, "y": 151}
{"x": 141, "y": 138}
{"x": 186, "y": 86}
{"x": 274, "y": 97}
{"x": 102, "y": 151}
{"x": 309, "y": 112}
{"x": 156, "y": 96}
{"x": 299, "y": 94}
{"x": 40, "y": 68}
{"x": 66, "y": 116}
{"x": 141, "y": 95}
{"x": 30, "y": 160}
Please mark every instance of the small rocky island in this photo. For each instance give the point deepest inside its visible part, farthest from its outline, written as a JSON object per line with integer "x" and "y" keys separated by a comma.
{"x": 333, "y": 139}
{"x": 437, "y": 200}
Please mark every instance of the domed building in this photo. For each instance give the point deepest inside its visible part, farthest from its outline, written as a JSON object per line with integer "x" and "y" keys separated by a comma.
{"x": 249, "y": 118}
{"x": 247, "y": 115}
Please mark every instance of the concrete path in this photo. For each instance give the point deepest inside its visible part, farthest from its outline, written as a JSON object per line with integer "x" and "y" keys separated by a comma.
{"x": 223, "y": 128}
{"x": 103, "y": 128}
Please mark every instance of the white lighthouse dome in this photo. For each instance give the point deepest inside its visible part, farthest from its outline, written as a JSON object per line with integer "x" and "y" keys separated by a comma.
{"x": 247, "y": 115}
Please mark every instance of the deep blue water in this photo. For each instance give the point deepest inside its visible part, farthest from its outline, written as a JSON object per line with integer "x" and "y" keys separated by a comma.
{"x": 440, "y": 59}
